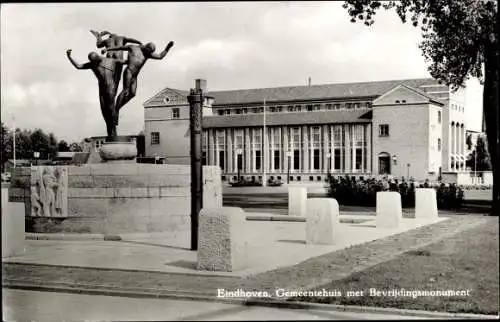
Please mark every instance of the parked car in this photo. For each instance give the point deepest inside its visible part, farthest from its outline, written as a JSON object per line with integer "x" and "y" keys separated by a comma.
{"x": 6, "y": 177}
{"x": 245, "y": 183}
{"x": 274, "y": 183}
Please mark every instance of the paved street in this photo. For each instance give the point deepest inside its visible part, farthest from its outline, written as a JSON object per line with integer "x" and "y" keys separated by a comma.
{"x": 48, "y": 306}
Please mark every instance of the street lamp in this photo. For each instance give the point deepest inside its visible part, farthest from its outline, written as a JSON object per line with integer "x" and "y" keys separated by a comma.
{"x": 239, "y": 152}
{"x": 36, "y": 155}
{"x": 288, "y": 155}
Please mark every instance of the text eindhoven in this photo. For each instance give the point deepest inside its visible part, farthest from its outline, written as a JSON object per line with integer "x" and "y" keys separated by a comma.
{"x": 278, "y": 293}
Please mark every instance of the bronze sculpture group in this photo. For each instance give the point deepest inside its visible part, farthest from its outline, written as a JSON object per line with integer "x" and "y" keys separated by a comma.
{"x": 108, "y": 70}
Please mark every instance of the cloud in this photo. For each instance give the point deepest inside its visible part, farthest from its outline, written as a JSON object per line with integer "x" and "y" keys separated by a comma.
{"x": 231, "y": 44}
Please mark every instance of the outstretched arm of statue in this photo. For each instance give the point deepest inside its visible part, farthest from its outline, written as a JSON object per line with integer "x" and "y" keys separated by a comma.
{"x": 164, "y": 52}
{"x": 77, "y": 66}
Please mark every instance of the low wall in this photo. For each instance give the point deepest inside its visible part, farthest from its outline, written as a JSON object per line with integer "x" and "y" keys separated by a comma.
{"x": 468, "y": 178}
{"x": 114, "y": 198}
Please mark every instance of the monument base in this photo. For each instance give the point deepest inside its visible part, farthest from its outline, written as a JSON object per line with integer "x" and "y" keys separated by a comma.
{"x": 131, "y": 198}
{"x": 118, "y": 149}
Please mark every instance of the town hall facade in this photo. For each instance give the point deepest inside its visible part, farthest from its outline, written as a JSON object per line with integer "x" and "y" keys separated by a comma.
{"x": 403, "y": 128}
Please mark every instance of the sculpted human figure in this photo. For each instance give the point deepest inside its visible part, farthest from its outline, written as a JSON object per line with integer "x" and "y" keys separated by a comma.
{"x": 137, "y": 57}
{"x": 104, "y": 69}
{"x": 51, "y": 184}
{"x": 36, "y": 207}
{"x": 112, "y": 41}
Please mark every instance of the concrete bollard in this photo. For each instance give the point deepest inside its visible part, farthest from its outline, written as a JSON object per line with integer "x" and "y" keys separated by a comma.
{"x": 221, "y": 239}
{"x": 297, "y": 201}
{"x": 389, "y": 209}
{"x": 322, "y": 221}
{"x": 425, "y": 203}
{"x": 13, "y": 227}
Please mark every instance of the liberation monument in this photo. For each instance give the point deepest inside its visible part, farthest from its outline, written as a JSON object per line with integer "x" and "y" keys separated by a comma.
{"x": 108, "y": 70}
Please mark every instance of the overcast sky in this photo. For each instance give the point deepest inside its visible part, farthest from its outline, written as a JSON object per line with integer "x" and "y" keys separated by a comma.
{"x": 231, "y": 45}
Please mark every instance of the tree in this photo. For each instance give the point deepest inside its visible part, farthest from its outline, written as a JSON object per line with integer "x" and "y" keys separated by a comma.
{"x": 63, "y": 146}
{"x": 75, "y": 147}
{"x": 479, "y": 159}
{"x": 7, "y": 146}
{"x": 468, "y": 142}
{"x": 460, "y": 40}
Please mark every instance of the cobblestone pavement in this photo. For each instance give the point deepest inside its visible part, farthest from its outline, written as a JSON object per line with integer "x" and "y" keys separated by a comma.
{"x": 309, "y": 274}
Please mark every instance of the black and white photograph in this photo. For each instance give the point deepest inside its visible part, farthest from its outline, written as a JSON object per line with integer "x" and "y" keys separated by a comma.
{"x": 250, "y": 161}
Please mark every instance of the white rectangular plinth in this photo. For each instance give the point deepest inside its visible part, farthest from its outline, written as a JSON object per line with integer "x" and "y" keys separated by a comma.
{"x": 12, "y": 228}
{"x": 297, "y": 201}
{"x": 389, "y": 209}
{"x": 322, "y": 221}
{"x": 221, "y": 239}
{"x": 426, "y": 203}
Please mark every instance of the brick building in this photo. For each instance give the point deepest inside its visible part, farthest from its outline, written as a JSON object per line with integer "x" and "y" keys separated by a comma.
{"x": 414, "y": 127}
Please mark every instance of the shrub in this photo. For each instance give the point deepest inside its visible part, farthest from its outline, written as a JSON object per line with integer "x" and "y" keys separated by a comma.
{"x": 363, "y": 192}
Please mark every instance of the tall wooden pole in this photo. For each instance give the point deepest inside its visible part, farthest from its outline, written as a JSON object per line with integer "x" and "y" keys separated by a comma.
{"x": 195, "y": 99}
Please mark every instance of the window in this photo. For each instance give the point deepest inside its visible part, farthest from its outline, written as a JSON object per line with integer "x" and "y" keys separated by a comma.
{"x": 356, "y": 105}
{"x": 336, "y": 106}
{"x": 298, "y": 108}
{"x": 238, "y": 111}
{"x": 221, "y": 160}
{"x": 439, "y": 117}
{"x": 329, "y": 107}
{"x": 245, "y": 111}
{"x": 204, "y": 158}
{"x": 318, "y": 178}
{"x": 155, "y": 137}
{"x": 359, "y": 160}
{"x": 439, "y": 144}
{"x": 369, "y": 105}
{"x": 220, "y": 112}
{"x": 276, "y": 160}
{"x": 316, "y": 135}
{"x": 228, "y": 111}
{"x": 290, "y": 108}
{"x": 348, "y": 105}
{"x": 257, "y": 160}
{"x": 309, "y": 108}
{"x": 397, "y": 101}
{"x": 383, "y": 130}
{"x": 311, "y": 178}
{"x": 336, "y": 159}
{"x": 296, "y": 159}
{"x": 175, "y": 113}
{"x": 316, "y": 159}
{"x": 403, "y": 101}
{"x": 317, "y": 107}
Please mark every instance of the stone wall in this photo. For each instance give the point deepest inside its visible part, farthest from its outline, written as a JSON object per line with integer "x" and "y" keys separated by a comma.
{"x": 121, "y": 198}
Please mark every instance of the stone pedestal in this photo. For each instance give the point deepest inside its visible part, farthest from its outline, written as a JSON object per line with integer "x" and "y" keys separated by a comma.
{"x": 322, "y": 221}
{"x": 105, "y": 198}
{"x": 118, "y": 150}
{"x": 12, "y": 226}
{"x": 297, "y": 201}
{"x": 111, "y": 151}
{"x": 389, "y": 209}
{"x": 425, "y": 203}
{"x": 221, "y": 239}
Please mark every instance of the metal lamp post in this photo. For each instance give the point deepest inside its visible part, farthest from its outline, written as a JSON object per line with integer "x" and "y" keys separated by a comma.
{"x": 288, "y": 155}
{"x": 239, "y": 152}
